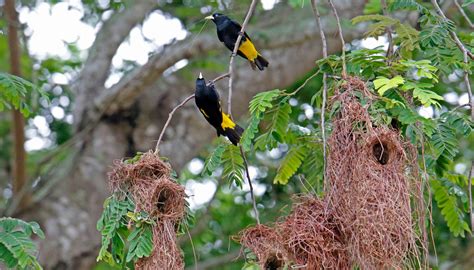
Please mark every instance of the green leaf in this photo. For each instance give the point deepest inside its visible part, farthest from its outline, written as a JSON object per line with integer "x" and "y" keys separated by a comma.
{"x": 447, "y": 202}
{"x": 17, "y": 249}
{"x": 290, "y": 164}
{"x": 427, "y": 97}
{"x": 112, "y": 219}
{"x": 445, "y": 144}
{"x": 467, "y": 3}
{"x": 277, "y": 130}
{"x": 141, "y": 243}
{"x": 263, "y": 101}
{"x": 383, "y": 84}
{"x": 14, "y": 92}
{"x": 250, "y": 132}
{"x": 214, "y": 160}
{"x": 233, "y": 165}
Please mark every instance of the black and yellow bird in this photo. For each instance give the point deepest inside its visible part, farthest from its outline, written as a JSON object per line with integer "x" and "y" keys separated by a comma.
{"x": 228, "y": 31}
{"x": 208, "y": 102}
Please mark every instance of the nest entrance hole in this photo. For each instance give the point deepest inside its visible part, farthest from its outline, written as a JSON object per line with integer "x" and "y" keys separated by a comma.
{"x": 381, "y": 152}
{"x": 163, "y": 202}
{"x": 273, "y": 263}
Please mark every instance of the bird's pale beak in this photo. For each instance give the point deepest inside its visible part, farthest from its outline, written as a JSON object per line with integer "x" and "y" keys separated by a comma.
{"x": 209, "y": 18}
{"x": 200, "y": 75}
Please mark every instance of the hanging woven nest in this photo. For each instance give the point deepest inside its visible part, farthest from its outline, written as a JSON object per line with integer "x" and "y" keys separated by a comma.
{"x": 368, "y": 187}
{"x": 153, "y": 190}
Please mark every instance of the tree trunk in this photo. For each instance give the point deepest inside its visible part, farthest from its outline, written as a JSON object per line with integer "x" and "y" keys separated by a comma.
{"x": 19, "y": 154}
{"x": 129, "y": 116}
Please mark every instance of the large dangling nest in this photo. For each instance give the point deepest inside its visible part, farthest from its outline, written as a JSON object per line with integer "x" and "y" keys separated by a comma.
{"x": 368, "y": 188}
{"x": 149, "y": 182}
{"x": 311, "y": 238}
{"x": 264, "y": 242}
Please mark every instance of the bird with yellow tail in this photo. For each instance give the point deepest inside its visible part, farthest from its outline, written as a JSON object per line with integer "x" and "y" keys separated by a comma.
{"x": 209, "y": 104}
{"x": 228, "y": 32}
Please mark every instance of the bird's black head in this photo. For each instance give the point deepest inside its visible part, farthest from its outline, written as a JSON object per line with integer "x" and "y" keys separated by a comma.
{"x": 200, "y": 83}
{"x": 217, "y": 18}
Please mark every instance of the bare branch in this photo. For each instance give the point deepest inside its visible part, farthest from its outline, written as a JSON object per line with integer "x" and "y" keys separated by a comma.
{"x": 157, "y": 148}
{"x": 314, "y": 4}
{"x": 389, "y": 32}
{"x": 250, "y": 184}
{"x": 463, "y": 13}
{"x": 234, "y": 52}
{"x": 344, "y": 74}
{"x": 471, "y": 211}
{"x": 453, "y": 34}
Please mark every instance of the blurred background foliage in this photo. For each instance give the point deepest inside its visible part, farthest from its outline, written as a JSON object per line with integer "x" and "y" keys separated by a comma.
{"x": 222, "y": 215}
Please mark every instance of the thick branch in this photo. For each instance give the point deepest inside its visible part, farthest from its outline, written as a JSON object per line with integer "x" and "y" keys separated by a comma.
{"x": 125, "y": 92}
{"x": 108, "y": 39}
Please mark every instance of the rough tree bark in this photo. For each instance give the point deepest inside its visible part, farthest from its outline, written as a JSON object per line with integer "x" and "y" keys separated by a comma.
{"x": 131, "y": 113}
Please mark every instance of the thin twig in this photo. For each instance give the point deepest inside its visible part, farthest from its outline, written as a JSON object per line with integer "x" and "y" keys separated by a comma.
{"x": 471, "y": 214}
{"x": 170, "y": 115}
{"x": 389, "y": 33}
{"x": 453, "y": 34}
{"x": 468, "y": 84}
{"x": 344, "y": 74}
{"x": 424, "y": 182}
{"x": 461, "y": 106}
{"x": 192, "y": 245}
{"x": 304, "y": 84}
{"x": 234, "y": 52}
{"x": 314, "y": 4}
{"x": 250, "y": 184}
{"x": 463, "y": 13}
{"x": 225, "y": 75}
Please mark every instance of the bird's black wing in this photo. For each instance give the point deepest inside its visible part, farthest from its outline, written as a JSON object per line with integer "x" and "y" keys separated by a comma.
{"x": 238, "y": 27}
{"x": 209, "y": 105}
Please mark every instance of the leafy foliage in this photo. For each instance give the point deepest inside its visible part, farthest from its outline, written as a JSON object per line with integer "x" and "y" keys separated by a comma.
{"x": 121, "y": 245}
{"x": 233, "y": 165}
{"x": 214, "y": 160}
{"x": 290, "y": 164}
{"x": 15, "y": 92}
{"x": 383, "y": 84}
{"x": 16, "y": 247}
{"x": 260, "y": 103}
{"x": 141, "y": 243}
{"x": 446, "y": 194}
{"x": 407, "y": 36}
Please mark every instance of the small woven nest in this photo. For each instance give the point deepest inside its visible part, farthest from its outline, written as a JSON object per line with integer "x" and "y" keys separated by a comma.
{"x": 368, "y": 188}
{"x": 166, "y": 253}
{"x": 149, "y": 182}
{"x": 264, "y": 242}
{"x": 311, "y": 238}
